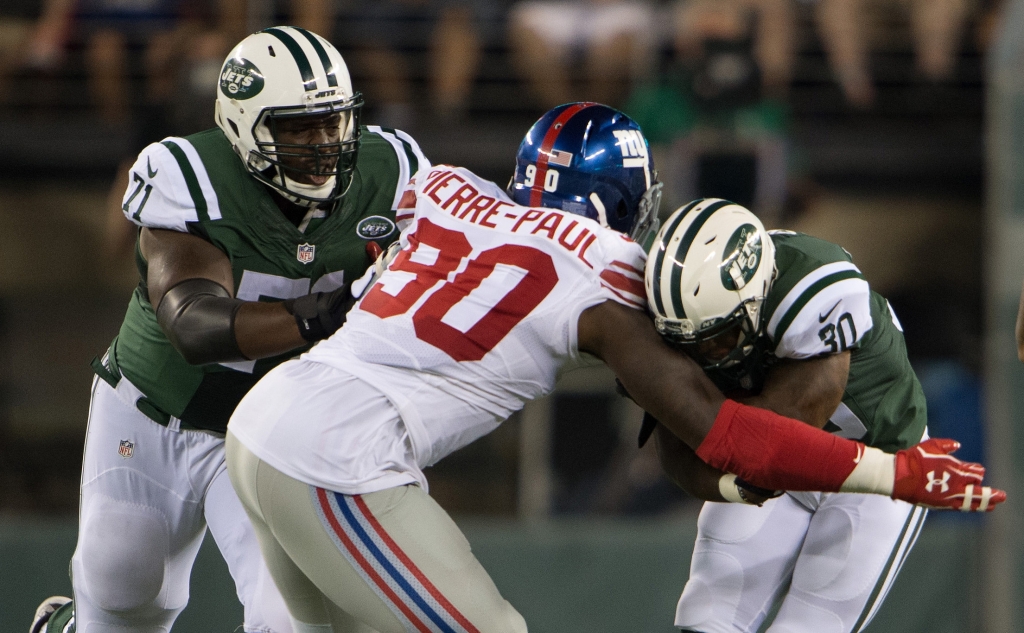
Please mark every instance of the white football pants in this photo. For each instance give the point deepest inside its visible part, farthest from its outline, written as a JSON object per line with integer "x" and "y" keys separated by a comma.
{"x": 837, "y": 553}
{"x": 390, "y": 561}
{"x": 144, "y": 511}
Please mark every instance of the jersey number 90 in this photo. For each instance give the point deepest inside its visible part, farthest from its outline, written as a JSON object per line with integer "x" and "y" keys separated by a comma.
{"x": 436, "y": 253}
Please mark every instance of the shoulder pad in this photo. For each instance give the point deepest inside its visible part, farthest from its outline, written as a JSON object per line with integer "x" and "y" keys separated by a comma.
{"x": 411, "y": 160}
{"x": 168, "y": 187}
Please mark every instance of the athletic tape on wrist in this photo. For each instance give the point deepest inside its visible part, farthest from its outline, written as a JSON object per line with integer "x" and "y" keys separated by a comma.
{"x": 875, "y": 472}
{"x": 729, "y": 490}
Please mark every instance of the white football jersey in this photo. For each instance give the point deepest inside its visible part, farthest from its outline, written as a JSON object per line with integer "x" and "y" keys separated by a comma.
{"x": 477, "y": 314}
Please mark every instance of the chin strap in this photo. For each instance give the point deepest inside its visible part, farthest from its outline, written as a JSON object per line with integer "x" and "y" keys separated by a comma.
{"x": 288, "y": 188}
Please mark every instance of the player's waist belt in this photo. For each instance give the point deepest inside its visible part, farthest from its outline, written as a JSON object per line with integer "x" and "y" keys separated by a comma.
{"x": 106, "y": 368}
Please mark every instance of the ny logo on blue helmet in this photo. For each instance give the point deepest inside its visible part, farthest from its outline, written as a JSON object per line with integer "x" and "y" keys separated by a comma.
{"x": 591, "y": 160}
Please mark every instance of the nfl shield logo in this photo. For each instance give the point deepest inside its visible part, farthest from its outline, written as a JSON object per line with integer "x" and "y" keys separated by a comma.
{"x": 305, "y": 253}
{"x": 126, "y": 448}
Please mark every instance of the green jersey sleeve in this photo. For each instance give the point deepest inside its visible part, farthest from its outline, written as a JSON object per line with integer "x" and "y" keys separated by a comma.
{"x": 820, "y": 302}
{"x": 169, "y": 187}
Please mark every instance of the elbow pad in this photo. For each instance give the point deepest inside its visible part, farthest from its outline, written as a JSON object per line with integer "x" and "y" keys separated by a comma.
{"x": 198, "y": 317}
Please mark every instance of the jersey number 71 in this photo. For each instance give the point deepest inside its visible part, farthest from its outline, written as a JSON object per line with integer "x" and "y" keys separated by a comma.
{"x": 436, "y": 253}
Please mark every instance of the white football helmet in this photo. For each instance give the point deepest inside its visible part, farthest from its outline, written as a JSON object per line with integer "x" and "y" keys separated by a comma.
{"x": 285, "y": 72}
{"x": 707, "y": 277}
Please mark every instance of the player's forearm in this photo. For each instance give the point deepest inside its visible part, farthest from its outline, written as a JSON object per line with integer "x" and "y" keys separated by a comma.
{"x": 779, "y": 453}
{"x": 263, "y": 330}
{"x": 206, "y": 325}
{"x": 683, "y": 468}
{"x": 808, "y": 390}
{"x": 805, "y": 409}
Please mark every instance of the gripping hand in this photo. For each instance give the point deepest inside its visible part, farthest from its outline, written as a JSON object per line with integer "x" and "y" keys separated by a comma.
{"x": 320, "y": 314}
{"x": 381, "y": 259}
{"x": 927, "y": 475}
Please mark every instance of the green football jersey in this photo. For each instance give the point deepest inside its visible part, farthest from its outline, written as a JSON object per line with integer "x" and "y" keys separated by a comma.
{"x": 820, "y": 303}
{"x": 198, "y": 184}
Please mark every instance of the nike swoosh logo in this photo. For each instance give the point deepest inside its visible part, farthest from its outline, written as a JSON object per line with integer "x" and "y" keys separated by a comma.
{"x": 822, "y": 317}
{"x": 149, "y": 168}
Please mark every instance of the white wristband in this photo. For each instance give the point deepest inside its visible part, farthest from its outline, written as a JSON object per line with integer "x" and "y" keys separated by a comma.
{"x": 875, "y": 472}
{"x": 729, "y": 490}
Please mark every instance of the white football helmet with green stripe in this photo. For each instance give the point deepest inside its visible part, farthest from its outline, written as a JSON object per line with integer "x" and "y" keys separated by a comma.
{"x": 707, "y": 277}
{"x": 285, "y": 72}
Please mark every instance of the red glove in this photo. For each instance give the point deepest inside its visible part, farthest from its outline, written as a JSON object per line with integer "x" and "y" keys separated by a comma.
{"x": 927, "y": 475}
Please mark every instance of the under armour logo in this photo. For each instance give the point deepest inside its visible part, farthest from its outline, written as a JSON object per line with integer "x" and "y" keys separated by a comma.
{"x": 932, "y": 481}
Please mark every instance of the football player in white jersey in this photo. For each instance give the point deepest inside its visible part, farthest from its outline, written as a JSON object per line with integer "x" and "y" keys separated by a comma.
{"x": 491, "y": 297}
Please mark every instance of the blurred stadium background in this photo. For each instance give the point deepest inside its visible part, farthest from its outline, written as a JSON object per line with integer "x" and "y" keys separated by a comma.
{"x": 893, "y": 127}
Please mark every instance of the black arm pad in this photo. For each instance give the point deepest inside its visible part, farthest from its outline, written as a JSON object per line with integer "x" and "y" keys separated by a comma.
{"x": 198, "y": 317}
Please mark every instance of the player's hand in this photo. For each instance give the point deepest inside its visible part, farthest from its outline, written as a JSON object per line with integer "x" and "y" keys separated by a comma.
{"x": 320, "y": 314}
{"x": 927, "y": 475}
{"x": 382, "y": 258}
{"x": 755, "y": 494}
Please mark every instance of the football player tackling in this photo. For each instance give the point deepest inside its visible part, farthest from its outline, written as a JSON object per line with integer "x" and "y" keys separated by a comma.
{"x": 790, "y": 318}
{"x": 251, "y": 234}
{"x": 491, "y": 297}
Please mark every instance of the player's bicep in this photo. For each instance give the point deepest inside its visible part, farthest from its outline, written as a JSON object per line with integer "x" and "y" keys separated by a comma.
{"x": 173, "y": 257}
{"x": 664, "y": 382}
{"x": 809, "y": 390}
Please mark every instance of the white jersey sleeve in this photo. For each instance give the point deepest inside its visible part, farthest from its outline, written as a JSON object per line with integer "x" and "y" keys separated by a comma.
{"x": 411, "y": 160}
{"x": 169, "y": 187}
{"x": 826, "y": 312}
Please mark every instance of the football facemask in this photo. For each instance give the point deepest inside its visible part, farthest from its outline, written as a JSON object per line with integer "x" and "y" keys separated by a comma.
{"x": 308, "y": 156}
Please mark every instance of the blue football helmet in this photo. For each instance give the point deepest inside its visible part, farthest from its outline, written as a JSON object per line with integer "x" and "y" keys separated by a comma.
{"x": 591, "y": 160}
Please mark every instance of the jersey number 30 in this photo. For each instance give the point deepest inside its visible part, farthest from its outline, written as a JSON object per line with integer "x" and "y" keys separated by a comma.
{"x": 843, "y": 330}
{"x": 436, "y": 253}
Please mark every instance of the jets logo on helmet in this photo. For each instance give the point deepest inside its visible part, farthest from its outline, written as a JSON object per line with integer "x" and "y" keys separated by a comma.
{"x": 240, "y": 79}
{"x": 280, "y": 78}
{"x": 591, "y": 160}
{"x": 740, "y": 257}
{"x": 707, "y": 276}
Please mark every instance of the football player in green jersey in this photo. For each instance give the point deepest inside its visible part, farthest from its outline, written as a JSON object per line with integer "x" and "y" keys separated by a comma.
{"x": 788, "y": 320}
{"x": 251, "y": 234}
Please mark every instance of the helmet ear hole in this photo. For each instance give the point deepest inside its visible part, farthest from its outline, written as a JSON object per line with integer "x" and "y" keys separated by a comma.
{"x": 621, "y": 211}
{"x": 234, "y": 128}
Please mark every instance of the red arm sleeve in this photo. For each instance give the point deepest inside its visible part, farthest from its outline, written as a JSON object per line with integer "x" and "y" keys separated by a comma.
{"x": 775, "y": 452}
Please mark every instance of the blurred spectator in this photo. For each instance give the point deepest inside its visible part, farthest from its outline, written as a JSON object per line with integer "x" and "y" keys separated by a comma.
{"x": 936, "y": 28}
{"x": 571, "y": 50}
{"x": 716, "y": 115}
{"x": 111, "y": 30}
{"x": 769, "y": 25}
{"x": 385, "y": 41}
